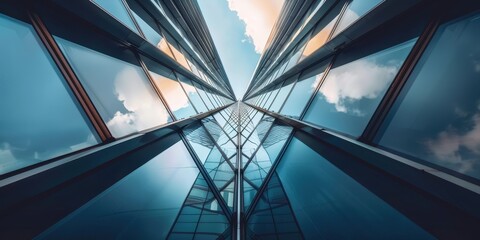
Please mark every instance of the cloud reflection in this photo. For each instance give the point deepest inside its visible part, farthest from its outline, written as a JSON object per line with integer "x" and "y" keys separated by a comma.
{"x": 355, "y": 81}
{"x": 457, "y": 148}
{"x": 144, "y": 109}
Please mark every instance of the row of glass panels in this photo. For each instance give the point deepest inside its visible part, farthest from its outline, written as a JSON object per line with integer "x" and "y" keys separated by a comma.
{"x": 435, "y": 119}
{"x": 151, "y": 32}
{"x": 42, "y": 119}
{"x": 331, "y": 25}
{"x": 320, "y": 202}
{"x": 166, "y": 198}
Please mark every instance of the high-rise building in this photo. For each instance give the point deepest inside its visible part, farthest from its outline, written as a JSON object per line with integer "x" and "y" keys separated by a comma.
{"x": 361, "y": 121}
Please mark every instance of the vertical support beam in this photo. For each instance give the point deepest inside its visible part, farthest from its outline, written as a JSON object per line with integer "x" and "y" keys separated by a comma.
{"x": 238, "y": 228}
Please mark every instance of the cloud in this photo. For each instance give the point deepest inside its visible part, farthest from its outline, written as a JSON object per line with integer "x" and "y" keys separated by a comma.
{"x": 355, "y": 81}
{"x": 144, "y": 108}
{"x": 259, "y": 18}
{"x": 454, "y": 148}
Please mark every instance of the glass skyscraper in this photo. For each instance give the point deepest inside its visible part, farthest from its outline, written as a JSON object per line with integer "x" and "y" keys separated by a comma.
{"x": 361, "y": 121}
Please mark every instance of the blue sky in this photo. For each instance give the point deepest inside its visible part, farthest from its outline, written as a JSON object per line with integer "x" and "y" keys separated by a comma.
{"x": 239, "y": 35}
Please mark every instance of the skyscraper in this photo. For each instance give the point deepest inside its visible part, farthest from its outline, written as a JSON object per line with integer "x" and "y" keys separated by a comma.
{"x": 119, "y": 122}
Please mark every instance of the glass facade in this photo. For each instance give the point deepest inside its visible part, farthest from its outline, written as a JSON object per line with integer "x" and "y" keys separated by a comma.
{"x": 119, "y": 123}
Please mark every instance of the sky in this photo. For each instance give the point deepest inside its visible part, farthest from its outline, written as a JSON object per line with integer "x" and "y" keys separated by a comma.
{"x": 240, "y": 29}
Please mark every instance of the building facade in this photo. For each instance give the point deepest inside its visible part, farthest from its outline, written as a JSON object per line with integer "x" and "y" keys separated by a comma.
{"x": 360, "y": 122}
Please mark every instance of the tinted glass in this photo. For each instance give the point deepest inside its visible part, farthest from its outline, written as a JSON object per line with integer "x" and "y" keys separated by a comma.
{"x": 356, "y": 9}
{"x": 203, "y": 95}
{"x": 171, "y": 90}
{"x": 351, "y": 92}
{"x": 118, "y": 10}
{"x": 120, "y": 90}
{"x": 322, "y": 191}
{"x": 281, "y": 96}
{"x": 437, "y": 116}
{"x": 40, "y": 118}
{"x": 192, "y": 94}
{"x": 150, "y": 33}
{"x": 151, "y": 198}
{"x": 301, "y": 93}
{"x": 324, "y": 29}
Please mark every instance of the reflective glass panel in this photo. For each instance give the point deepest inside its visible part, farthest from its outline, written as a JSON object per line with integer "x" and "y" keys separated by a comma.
{"x": 203, "y": 95}
{"x": 356, "y": 9}
{"x": 118, "y": 10}
{"x": 142, "y": 205}
{"x": 40, "y": 118}
{"x": 437, "y": 115}
{"x": 326, "y": 201}
{"x": 322, "y": 31}
{"x": 301, "y": 93}
{"x": 164, "y": 47}
{"x": 171, "y": 90}
{"x": 121, "y": 91}
{"x": 281, "y": 96}
{"x": 179, "y": 57}
{"x": 352, "y": 91}
{"x": 151, "y": 34}
{"x": 192, "y": 94}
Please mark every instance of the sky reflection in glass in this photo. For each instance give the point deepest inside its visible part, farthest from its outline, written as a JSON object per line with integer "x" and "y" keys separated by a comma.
{"x": 351, "y": 92}
{"x": 40, "y": 119}
{"x": 326, "y": 201}
{"x": 132, "y": 105}
{"x": 437, "y": 116}
{"x": 151, "y": 197}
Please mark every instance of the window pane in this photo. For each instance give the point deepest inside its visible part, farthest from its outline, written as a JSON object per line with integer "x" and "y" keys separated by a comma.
{"x": 120, "y": 91}
{"x": 203, "y": 95}
{"x": 117, "y": 9}
{"x": 142, "y": 205}
{"x": 320, "y": 38}
{"x": 352, "y": 91}
{"x": 355, "y": 10}
{"x": 281, "y": 96}
{"x": 150, "y": 33}
{"x": 40, "y": 119}
{"x": 322, "y": 191}
{"x": 193, "y": 94}
{"x": 300, "y": 95}
{"x": 171, "y": 90}
{"x": 437, "y": 116}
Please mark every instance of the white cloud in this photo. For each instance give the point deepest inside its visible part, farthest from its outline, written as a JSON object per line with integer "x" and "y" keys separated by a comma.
{"x": 259, "y": 18}
{"x": 354, "y": 81}
{"x": 450, "y": 145}
{"x": 144, "y": 108}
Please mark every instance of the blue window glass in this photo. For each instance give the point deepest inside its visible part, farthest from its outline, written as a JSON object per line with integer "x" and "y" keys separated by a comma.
{"x": 143, "y": 205}
{"x": 281, "y": 96}
{"x": 301, "y": 93}
{"x": 40, "y": 119}
{"x": 352, "y": 91}
{"x": 192, "y": 94}
{"x": 355, "y": 10}
{"x": 121, "y": 91}
{"x": 261, "y": 163}
{"x": 326, "y": 201}
{"x": 437, "y": 115}
{"x": 151, "y": 35}
{"x": 203, "y": 95}
{"x": 172, "y": 92}
{"x": 117, "y": 9}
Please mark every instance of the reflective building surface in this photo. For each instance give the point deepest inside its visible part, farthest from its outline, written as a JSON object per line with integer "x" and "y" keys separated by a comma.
{"x": 361, "y": 121}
